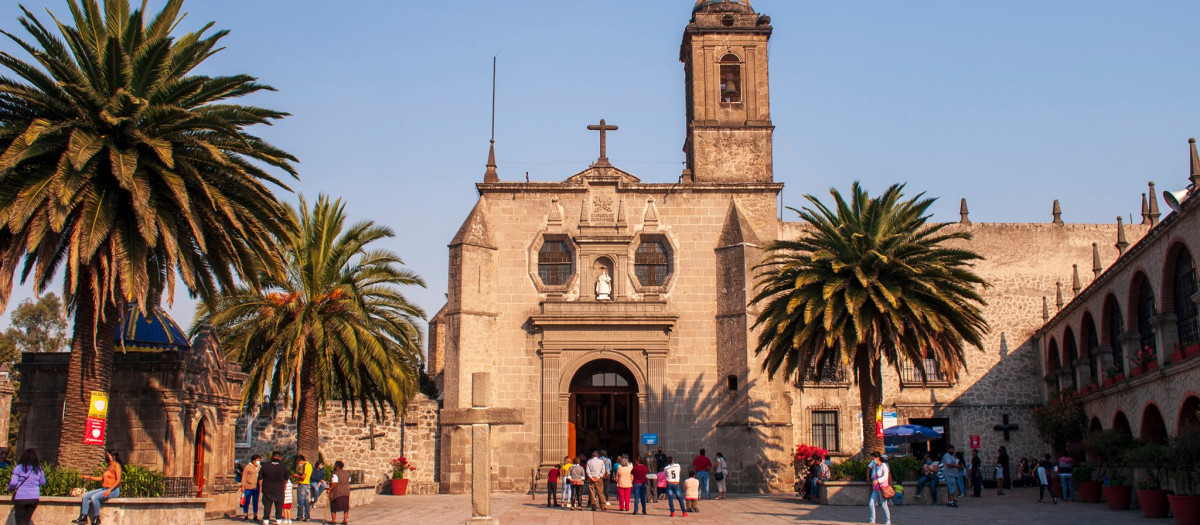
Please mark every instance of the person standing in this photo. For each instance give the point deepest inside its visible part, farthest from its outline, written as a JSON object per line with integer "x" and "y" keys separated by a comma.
{"x": 564, "y": 472}
{"x": 1065, "y": 466}
{"x": 702, "y": 465}
{"x": 881, "y": 476}
{"x": 552, "y": 487}
{"x": 672, "y": 473}
{"x": 976, "y": 474}
{"x": 1005, "y": 466}
{"x": 110, "y": 487}
{"x": 660, "y": 460}
{"x": 577, "y": 475}
{"x": 272, "y": 479}
{"x": 652, "y": 469}
{"x": 721, "y": 472}
{"x": 250, "y": 487}
{"x": 302, "y": 480}
{"x": 640, "y": 479}
{"x": 608, "y": 471}
{"x": 624, "y": 481}
{"x": 595, "y": 475}
{"x": 26, "y": 486}
{"x": 962, "y": 474}
{"x": 339, "y": 492}
{"x": 952, "y": 466}
{"x": 1043, "y": 477}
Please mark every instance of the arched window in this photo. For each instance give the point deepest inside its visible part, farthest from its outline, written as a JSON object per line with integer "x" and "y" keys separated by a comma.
{"x": 1185, "y": 309}
{"x": 1070, "y": 358}
{"x": 1144, "y": 313}
{"x": 555, "y": 263}
{"x": 731, "y": 78}
{"x": 1090, "y": 344}
{"x": 1115, "y": 324}
{"x": 652, "y": 263}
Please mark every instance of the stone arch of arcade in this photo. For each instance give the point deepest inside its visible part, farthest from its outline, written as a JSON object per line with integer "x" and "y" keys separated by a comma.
{"x": 1189, "y": 414}
{"x": 1152, "y": 429}
{"x": 1178, "y": 291}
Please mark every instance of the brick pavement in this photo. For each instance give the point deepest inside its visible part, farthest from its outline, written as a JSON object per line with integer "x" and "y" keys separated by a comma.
{"x": 1019, "y": 507}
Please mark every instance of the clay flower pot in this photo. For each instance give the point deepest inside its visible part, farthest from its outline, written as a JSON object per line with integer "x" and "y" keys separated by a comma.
{"x": 399, "y": 487}
{"x": 1088, "y": 491}
{"x": 1117, "y": 497}
{"x": 1153, "y": 503}
{"x": 1186, "y": 509}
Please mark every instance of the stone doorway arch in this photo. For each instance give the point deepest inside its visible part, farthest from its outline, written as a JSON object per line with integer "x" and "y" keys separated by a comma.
{"x": 603, "y": 409}
{"x": 199, "y": 455}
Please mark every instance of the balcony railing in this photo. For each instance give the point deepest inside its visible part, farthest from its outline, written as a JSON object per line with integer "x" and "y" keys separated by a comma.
{"x": 910, "y": 374}
{"x": 830, "y": 374}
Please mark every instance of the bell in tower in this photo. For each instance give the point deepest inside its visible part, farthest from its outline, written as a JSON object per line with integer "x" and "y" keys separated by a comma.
{"x": 724, "y": 53}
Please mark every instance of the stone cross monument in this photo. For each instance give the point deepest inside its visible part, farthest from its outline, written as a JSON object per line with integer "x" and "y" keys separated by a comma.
{"x": 480, "y": 417}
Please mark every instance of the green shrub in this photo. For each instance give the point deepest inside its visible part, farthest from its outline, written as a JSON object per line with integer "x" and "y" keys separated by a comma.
{"x": 1084, "y": 472}
{"x": 904, "y": 468}
{"x": 136, "y": 481}
{"x": 850, "y": 470}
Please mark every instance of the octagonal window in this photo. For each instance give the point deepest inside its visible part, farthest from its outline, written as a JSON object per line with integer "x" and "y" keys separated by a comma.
{"x": 652, "y": 263}
{"x": 555, "y": 263}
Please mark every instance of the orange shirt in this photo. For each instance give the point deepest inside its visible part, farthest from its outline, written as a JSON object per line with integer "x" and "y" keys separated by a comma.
{"x": 109, "y": 478}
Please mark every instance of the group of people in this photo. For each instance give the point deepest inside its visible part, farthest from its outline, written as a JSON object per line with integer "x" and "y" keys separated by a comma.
{"x": 275, "y": 485}
{"x": 28, "y": 478}
{"x": 635, "y": 478}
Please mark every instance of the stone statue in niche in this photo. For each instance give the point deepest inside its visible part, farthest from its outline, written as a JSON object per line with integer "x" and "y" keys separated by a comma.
{"x": 604, "y": 286}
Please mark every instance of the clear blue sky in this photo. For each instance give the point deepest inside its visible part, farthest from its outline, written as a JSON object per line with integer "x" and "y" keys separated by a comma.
{"x": 1009, "y": 104}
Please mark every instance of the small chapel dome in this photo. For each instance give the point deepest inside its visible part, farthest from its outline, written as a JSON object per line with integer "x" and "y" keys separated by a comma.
{"x": 741, "y": 6}
{"x": 154, "y": 332}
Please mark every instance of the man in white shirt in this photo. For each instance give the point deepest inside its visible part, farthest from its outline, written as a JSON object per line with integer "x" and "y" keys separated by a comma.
{"x": 673, "y": 472}
{"x": 952, "y": 466}
{"x": 596, "y": 473}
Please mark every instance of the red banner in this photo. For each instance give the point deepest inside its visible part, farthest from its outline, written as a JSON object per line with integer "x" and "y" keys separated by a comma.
{"x": 879, "y": 429}
{"x": 93, "y": 431}
{"x": 974, "y": 441}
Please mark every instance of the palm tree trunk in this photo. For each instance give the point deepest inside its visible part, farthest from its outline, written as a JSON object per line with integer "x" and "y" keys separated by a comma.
{"x": 870, "y": 395}
{"x": 89, "y": 369}
{"x": 307, "y": 437}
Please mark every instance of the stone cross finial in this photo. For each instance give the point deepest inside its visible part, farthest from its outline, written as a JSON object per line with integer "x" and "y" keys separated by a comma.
{"x": 1045, "y": 309}
{"x": 1154, "y": 214}
{"x": 1057, "y": 213}
{"x": 1076, "y": 285}
{"x": 962, "y": 212}
{"x": 1058, "y": 299}
{"x": 602, "y": 128}
{"x": 1145, "y": 211}
{"x": 1096, "y": 268}
{"x": 1122, "y": 244}
{"x": 480, "y": 417}
{"x": 1195, "y": 171}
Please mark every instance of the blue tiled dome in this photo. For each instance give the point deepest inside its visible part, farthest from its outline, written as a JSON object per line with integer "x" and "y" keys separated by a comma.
{"x": 154, "y": 332}
{"x": 705, "y": 4}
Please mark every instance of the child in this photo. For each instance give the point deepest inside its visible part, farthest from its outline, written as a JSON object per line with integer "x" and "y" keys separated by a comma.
{"x": 691, "y": 492}
{"x": 287, "y": 502}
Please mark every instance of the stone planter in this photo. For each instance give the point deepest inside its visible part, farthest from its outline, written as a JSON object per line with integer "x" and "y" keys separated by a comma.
{"x": 846, "y": 493}
{"x": 1178, "y": 355}
{"x": 1117, "y": 497}
{"x": 1152, "y": 365}
{"x": 1109, "y": 381}
{"x": 1185, "y": 508}
{"x": 1153, "y": 503}
{"x": 120, "y": 511}
{"x": 1088, "y": 491}
{"x": 1192, "y": 350}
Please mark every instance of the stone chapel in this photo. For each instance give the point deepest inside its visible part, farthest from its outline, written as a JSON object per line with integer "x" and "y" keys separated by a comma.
{"x": 607, "y": 308}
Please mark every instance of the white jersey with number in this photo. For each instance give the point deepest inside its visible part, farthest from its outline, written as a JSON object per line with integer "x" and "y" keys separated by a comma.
{"x": 672, "y": 473}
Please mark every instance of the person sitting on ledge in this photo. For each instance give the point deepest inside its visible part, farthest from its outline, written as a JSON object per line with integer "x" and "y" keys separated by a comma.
{"x": 110, "y": 487}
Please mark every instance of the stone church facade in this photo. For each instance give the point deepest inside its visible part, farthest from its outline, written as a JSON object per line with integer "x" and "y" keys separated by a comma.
{"x": 606, "y": 307}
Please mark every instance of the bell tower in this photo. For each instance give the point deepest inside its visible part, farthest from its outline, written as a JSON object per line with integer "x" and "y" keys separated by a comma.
{"x": 724, "y": 55}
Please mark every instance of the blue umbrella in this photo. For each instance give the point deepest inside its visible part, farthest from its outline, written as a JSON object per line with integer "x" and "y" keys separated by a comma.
{"x": 908, "y": 434}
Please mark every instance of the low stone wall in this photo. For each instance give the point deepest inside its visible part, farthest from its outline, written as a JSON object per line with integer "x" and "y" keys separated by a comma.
{"x": 852, "y": 493}
{"x": 118, "y": 511}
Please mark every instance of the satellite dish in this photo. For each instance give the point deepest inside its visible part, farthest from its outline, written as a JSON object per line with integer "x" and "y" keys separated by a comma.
{"x": 1175, "y": 199}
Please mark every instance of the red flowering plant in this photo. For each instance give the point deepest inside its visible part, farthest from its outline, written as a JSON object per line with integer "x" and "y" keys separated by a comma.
{"x": 1146, "y": 356}
{"x": 803, "y": 454}
{"x": 401, "y": 467}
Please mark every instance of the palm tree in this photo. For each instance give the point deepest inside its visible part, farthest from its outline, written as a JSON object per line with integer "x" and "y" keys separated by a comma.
{"x": 335, "y": 326}
{"x": 123, "y": 169}
{"x": 870, "y": 280}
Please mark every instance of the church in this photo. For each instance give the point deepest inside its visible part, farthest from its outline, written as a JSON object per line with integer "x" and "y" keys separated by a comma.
{"x": 613, "y": 313}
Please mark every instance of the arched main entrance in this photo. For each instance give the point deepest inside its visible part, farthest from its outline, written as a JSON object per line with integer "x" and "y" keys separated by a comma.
{"x": 603, "y": 411}
{"x": 198, "y": 459}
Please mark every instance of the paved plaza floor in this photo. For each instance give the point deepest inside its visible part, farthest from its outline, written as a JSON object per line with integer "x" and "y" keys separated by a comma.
{"x": 1018, "y": 507}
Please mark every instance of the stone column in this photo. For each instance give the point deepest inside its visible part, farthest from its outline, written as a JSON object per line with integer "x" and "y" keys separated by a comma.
{"x": 656, "y": 391}
{"x": 173, "y": 441}
{"x": 554, "y": 424}
{"x": 1106, "y": 361}
{"x": 1130, "y": 343}
{"x": 1166, "y": 335}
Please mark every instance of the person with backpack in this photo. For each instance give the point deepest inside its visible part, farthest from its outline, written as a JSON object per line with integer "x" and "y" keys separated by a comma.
{"x": 26, "y": 486}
